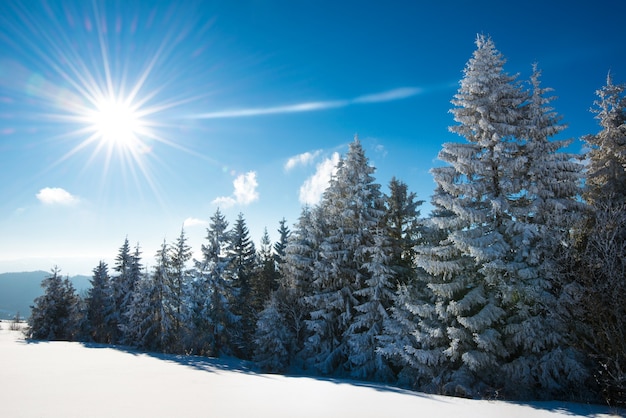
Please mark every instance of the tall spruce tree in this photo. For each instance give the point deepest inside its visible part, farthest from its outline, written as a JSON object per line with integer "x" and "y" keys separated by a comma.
{"x": 422, "y": 327}
{"x": 142, "y": 316}
{"x": 100, "y": 306}
{"x": 595, "y": 265}
{"x": 476, "y": 187}
{"x": 375, "y": 300}
{"x": 129, "y": 271}
{"x": 180, "y": 276}
{"x": 281, "y": 244}
{"x": 265, "y": 276}
{"x": 242, "y": 254}
{"x": 606, "y": 171}
{"x": 163, "y": 300}
{"x": 540, "y": 363}
{"x": 295, "y": 281}
{"x": 213, "y": 321}
{"x": 340, "y": 304}
{"x": 405, "y": 229}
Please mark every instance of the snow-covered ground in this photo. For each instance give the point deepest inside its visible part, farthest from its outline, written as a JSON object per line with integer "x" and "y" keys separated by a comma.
{"x": 59, "y": 379}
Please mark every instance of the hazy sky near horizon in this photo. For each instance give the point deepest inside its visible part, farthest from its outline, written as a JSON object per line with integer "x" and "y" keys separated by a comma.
{"x": 133, "y": 119}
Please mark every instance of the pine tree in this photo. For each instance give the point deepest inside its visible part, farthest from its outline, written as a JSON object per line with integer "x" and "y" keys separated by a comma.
{"x": 141, "y": 327}
{"x": 272, "y": 339}
{"x": 163, "y": 302}
{"x": 595, "y": 263}
{"x": 212, "y": 319}
{"x": 352, "y": 215}
{"x": 295, "y": 281}
{"x": 128, "y": 271}
{"x": 375, "y": 296}
{"x": 101, "y": 306}
{"x": 55, "y": 314}
{"x": 476, "y": 186}
{"x": 540, "y": 362}
{"x": 606, "y": 171}
{"x": 402, "y": 220}
{"x": 422, "y": 335}
{"x": 133, "y": 320}
{"x": 242, "y": 253}
{"x": 281, "y": 245}
{"x": 265, "y": 276}
{"x": 406, "y": 232}
{"x": 180, "y": 277}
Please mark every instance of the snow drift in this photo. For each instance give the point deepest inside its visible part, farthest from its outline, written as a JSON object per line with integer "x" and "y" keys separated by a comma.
{"x": 62, "y": 379}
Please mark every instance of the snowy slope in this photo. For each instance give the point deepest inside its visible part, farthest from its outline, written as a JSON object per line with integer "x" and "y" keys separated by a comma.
{"x": 59, "y": 379}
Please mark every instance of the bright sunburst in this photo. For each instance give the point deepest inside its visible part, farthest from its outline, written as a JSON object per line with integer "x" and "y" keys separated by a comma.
{"x": 116, "y": 123}
{"x": 111, "y": 91}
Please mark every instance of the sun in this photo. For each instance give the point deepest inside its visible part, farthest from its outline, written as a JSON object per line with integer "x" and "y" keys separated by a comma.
{"x": 116, "y": 123}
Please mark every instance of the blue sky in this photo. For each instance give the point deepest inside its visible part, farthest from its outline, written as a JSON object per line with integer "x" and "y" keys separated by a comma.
{"x": 245, "y": 105}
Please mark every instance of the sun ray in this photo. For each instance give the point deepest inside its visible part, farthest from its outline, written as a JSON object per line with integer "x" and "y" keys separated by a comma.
{"x": 115, "y": 109}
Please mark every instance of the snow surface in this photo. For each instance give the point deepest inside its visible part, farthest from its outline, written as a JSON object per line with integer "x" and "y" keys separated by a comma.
{"x": 61, "y": 379}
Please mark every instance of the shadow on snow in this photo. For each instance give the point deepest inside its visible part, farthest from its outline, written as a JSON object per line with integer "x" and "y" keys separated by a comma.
{"x": 230, "y": 364}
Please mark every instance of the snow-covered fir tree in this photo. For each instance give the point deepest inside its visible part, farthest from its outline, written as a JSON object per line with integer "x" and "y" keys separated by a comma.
{"x": 180, "y": 278}
{"x": 128, "y": 271}
{"x": 375, "y": 299}
{"x": 55, "y": 314}
{"x": 213, "y": 322}
{"x": 163, "y": 300}
{"x": 283, "y": 238}
{"x": 352, "y": 211}
{"x": 296, "y": 273}
{"x": 141, "y": 327}
{"x": 476, "y": 186}
{"x": 150, "y": 324}
{"x": 421, "y": 327}
{"x": 606, "y": 171}
{"x": 265, "y": 276}
{"x": 596, "y": 263}
{"x": 272, "y": 339}
{"x": 100, "y": 306}
{"x": 540, "y": 363}
{"x": 241, "y": 269}
{"x": 402, "y": 218}
{"x": 406, "y": 231}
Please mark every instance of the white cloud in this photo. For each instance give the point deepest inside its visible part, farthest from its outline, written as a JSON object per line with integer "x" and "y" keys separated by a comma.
{"x": 56, "y": 196}
{"x": 295, "y": 108}
{"x": 244, "y": 193}
{"x": 301, "y": 159}
{"x": 313, "y": 188}
{"x": 385, "y": 96}
{"x": 191, "y": 222}
{"x": 389, "y": 95}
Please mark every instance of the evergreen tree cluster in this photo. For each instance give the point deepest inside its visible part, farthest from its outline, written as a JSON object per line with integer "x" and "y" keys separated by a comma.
{"x": 512, "y": 287}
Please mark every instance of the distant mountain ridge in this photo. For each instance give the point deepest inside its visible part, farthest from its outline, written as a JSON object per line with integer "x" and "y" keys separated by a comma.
{"x": 19, "y": 290}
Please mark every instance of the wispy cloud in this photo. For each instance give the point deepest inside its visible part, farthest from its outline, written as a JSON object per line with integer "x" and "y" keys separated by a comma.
{"x": 380, "y": 150}
{"x": 386, "y": 96}
{"x": 313, "y": 188}
{"x": 245, "y": 191}
{"x": 56, "y": 196}
{"x": 301, "y": 159}
{"x": 191, "y": 222}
